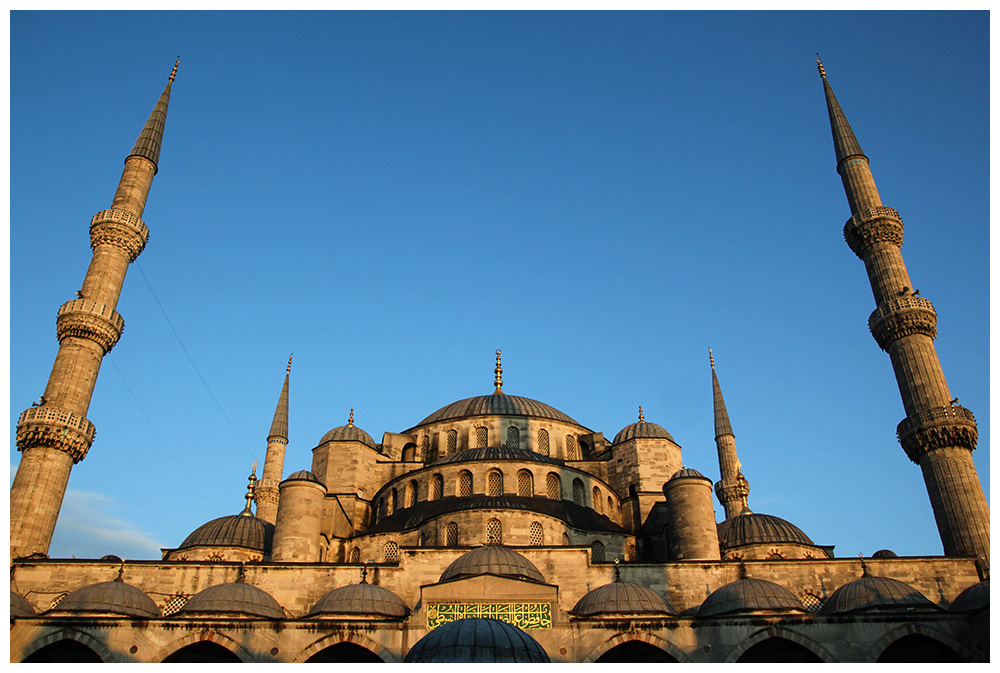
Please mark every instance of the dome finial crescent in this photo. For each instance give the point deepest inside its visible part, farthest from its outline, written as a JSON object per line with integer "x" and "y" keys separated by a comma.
{"x": 498, "y": 380}
{"x": 350, "y": 419}
{"x": 819, "y": 65}
{"x": 250, "y": 489}
{"x": 641, "y": 418}
{"x": 173, "y": 73}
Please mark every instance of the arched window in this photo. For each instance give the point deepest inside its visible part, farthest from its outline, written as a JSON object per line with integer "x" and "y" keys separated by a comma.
{"x": 464, "y": 484}
{"x": 597, "y": 552}
{"x": 57, "y": 600}
{"x": 437, "y": 487}
{"x": 572, "y": 451}
{"x": 578, "y": 496}
{"x": 536, "y": 534}
{"x": 525, "y": 484}
{"x": 452, "y": 441}
{"x": 597, "y": 500}
{"x": 425, "y": 448}
{"x": 451, "y": 535}
{"x": 410, "y": 495}
{"x": 630, "y": 553}
{"x": 553, "y": 486}
{"x": 611, "y": 510}
{"x": 494, "y": 532}
{"x": 543, "y": 442}
{"x": 355, "y": 556}
{"x": 390, "y": 553}
{"x": 393, "y": 502}
{"x": 513, "y": 437}
{"x": 482, "y": 437}
{"x": 494, "y": 483}
{"x": 409, "y": 452}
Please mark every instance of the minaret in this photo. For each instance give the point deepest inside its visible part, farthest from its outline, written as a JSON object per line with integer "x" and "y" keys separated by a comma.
{"x": 54, "y": 434}
{"x": 937, "y": 434}
{"x": 266, "y": 494}
{"x": 733, "y": 488}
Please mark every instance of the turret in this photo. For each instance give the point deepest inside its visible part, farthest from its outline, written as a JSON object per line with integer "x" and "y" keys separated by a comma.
{"x": 266, "y": 495}
{"x": 300, "y": 517}
{"x": 937, "y": 434}
{"x": 692, "y": 533}
{"x": 733, "y": 488}
{"x": 55, "y": 434}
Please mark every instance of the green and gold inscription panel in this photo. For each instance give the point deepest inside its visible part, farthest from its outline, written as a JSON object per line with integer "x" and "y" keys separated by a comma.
{"x": 521, "y": 615}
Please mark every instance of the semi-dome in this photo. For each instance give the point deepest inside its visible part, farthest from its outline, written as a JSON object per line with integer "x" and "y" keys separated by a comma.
{"x": 477, "y": 640}
{"x": 361, "y": 599}
{"x": 971, "y": 599}
{"x": 303, "y": 475}
{"x": 236, "y": 530}
{"x": 494, "y": 453}
{"x": 497, "y": 404}
{"x": 234, "y": 598}
{"x": 642, "y": 430}
{"x": 115, "y": 597}
{"x": 749, "y": 595}
{"x": 492, "y": 560}
{"x": 753, "y": 528}
{"x": 348, "y": 433}
{"x": 874, "y": 593}
{"x": 20, "y": 607}
{"x": 621, "y": 597}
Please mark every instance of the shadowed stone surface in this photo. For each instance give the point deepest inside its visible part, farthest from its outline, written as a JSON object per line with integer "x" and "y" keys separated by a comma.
{"x": 477, "y": 640}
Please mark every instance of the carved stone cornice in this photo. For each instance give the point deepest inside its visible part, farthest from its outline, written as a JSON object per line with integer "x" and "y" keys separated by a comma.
{"x": 119, "y": 228}
{"x": 265, "y": 492}
{"x": 941, "y": 427}
{"x": 732, "y": 491}
{"x": 871, "y": 227}
{"x": 87, "y": 319}
{"x": 56, "y": 428}
{"x": 902, "y": 317}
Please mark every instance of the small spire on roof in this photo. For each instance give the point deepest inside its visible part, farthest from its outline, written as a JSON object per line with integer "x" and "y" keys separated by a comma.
{"x": 364, "y": 574}
{"x": 641, "y": 419}
{"x": 288, "y": 369}
{"x": 711, "y": 358}
{"x": 173, "y": 73}
{"x": 864, "y": 566}
{"x": 350, "y": 419}
{"x": 618, "y": 571}
{"x": 819, "y": 66}
{"x": 498, "y": 381}
{"x": 241, "y": 575}
{"x": 743, "y": 570}
{"x": 250, "y": 488}
{"x": 121, "y": 571}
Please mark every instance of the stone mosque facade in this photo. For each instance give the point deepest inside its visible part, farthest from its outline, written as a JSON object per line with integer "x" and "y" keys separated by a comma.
{"x": 498, "y": 528}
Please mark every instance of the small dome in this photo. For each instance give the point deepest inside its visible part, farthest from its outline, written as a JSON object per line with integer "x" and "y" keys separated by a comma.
{"x": 972, "y": 599}
{"x": 752, "y": 528}
{"x": 874, "y": 593}
{"x": 477, "y": 640}
{"x": 234, "y": 598}
{"x": 303, "y": 475}
{"x": 20, "y": 607}
{"x": 621, "y": 597}
{"x": 348, "y": 433}
{"x": 361, "y": 599}
{"x": 116, "y": 597}
{"x": 687, "y": 472}
{"x": 884, "y": 553}
{"x": 496, "y": 405}
{"x": 749, "y": 595}
{"x": 492, "y": 560}
{"x": 642, "y": 430}
{"x": 235, "y": 530}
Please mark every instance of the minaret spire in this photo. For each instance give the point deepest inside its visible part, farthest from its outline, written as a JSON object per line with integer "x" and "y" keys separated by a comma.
{"x": 937, "y": 433}
{"x": 266, "y": 493}
{"x": 55, "y": 434}
{"x": 732, "y": 489}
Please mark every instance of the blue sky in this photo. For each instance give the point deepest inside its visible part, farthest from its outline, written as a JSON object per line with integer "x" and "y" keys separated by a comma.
{"x": 393, "y": 196}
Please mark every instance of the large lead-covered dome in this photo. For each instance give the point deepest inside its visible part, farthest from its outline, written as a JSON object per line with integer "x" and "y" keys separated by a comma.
{"x": 875, "y": 593}
{"x": 497, "y": 404}
{"x": 115, "y": 597}
{"x": 492, "y": 560}
{"x": 753, "y": 528}
{"x": 236, "y": 598}
{"x": 361, "y": 599}
{"x": 236, "y": 530}
{"x": 477, "y": 640}
{"x": 749, "y": 595}
{"x": 621, "y": 598}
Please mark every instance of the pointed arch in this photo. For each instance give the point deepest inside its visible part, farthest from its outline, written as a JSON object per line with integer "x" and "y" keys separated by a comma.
{"x": 786, "y": 634}
{"x": 346, "y": 637}
{"x": 84, "y": 639}
{"x": 637, "y": 636}
{"x": 880, "y": 646}
{"x": 542, "y": 445}
{"x": 206, "y": 635}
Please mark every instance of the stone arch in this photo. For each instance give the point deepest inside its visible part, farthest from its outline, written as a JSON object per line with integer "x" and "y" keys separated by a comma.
{"x": 346, "y": 637}
{"x": 77, "y": 636}
{"x": 637, "y": 636}
{"x": 780, "y": 632}
{"x": 890, "y": 637}
{"x": 409, "y": 452}
{"x": 207, "y": 635}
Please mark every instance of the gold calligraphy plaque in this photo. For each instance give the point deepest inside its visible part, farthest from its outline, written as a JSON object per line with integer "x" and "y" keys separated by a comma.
{"x": 521, "y": 615}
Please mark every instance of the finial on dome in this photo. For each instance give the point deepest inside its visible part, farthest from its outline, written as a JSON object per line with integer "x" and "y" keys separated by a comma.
{"x": 364, "y": 574}
{"x": 288, "y": 369}
{"x": 641, "y": 419}
{"x": 618, "y": 571}
{"x": 250, "y": 488}
{"x": 121, "y": 571}
{"x": 350, "y": 419}
{"x": 711, "y": 358}
{"x": 743, "y": 570}
{"x": 864, "y": 566}
{"x": 819, "y": 65}
{"x": 173, "y": 73}
{"x": 498, "y": 380}
{"x": 241, "y": 574}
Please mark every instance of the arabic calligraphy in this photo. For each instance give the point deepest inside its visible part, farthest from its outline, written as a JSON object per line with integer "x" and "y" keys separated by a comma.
{"x": 521, "y": 615}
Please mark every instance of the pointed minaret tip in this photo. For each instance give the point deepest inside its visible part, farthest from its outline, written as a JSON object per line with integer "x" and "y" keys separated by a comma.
{"x": 173, "y": 73}
{"x": 819, "y": 66}
{"x": 279, "y": 423}
{"x": 288, "y": 369}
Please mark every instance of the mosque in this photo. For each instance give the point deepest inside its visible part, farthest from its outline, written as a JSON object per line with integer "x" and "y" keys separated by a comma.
{"x": 498, "y": 528}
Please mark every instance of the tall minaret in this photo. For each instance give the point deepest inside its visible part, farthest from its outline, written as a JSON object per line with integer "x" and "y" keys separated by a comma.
{"x": 54, "y": 434}
{"x": 733, "y": 488}
{"x": 266, "y": 493}
{"x": 937, "y": 434}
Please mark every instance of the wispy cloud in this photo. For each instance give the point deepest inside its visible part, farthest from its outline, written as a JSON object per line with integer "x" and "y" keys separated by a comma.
{"x": 90, "y": 526}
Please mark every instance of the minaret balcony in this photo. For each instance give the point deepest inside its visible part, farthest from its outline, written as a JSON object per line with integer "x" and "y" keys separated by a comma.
{"x": 902, "y": 317}
{"x": 57, "y": 428}
{"x": 946, "y": 426}
{"x": 87, "y": 319}
{"x": 121, "y": 229}
{"x": 871, "y": 227}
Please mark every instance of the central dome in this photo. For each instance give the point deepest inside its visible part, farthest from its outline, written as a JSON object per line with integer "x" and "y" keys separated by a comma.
{"x": 497, "y": 404}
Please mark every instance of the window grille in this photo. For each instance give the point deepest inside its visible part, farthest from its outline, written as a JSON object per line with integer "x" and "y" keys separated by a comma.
{"x": 425, "y": 448}
{"x": 465, "y": 484}
{"x": 578, "y": 492}
{"x": 390, "y": 553}
{"x": 174, "y": 604}
{"x": 513, "y": 437}
{"x": 482, "y": 437}
{"x": 494, "y": 532}
{"x": 452, "y": 441}
{"x": 410, "y": 496}
{"x": 597, "y": 552}
{"x": 630, "y": 552}
{"x": 812, "y": 602}
{"x": 536, "y": 534}
{"x": 553, "y": 486}
{"x": 572, "y": 450}
{"x": 58, "y": 599}
{"x": 494, "y": 483}
{"x": 355, "y": 556}
{"x": 451, "y": 535}
{"x": 437, "y": 487}
{"x": 524, "y": 486}
{"x": 543, "y": 442}
{"x": 597, "y": 500}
